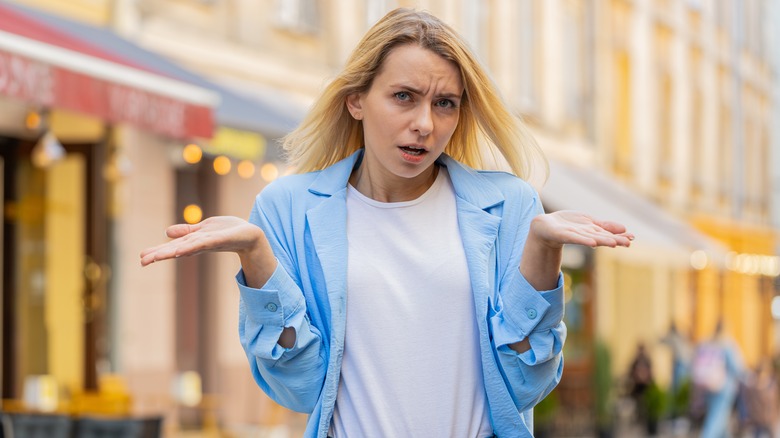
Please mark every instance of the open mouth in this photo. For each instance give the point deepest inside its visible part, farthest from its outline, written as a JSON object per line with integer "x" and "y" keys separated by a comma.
{"x": 413, "y": 151}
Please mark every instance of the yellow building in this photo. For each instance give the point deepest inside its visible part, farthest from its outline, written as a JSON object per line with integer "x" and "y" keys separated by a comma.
{"x": 655, "y": 113}
{"x": 687, "y": 85}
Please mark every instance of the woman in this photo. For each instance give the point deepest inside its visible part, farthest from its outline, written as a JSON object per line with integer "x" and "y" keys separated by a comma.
{"x": 389, "y": 289}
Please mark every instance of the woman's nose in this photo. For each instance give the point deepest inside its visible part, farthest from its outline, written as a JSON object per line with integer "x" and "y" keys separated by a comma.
{"x": 423, "y": 120}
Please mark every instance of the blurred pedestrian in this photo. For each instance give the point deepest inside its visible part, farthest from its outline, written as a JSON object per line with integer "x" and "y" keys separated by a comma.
{"x": 390, "y": 289}
{"x": 679, "y": 388}
{"x": 640, "y": 376}
{"x": 760, "y": 400}
{"x": 716, "y": 372}
{"x": 681, "y": 356}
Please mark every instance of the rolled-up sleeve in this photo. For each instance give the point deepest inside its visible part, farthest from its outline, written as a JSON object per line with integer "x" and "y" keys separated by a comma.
{"x": 523, "y": 312}
{"x": 291, "y": 376}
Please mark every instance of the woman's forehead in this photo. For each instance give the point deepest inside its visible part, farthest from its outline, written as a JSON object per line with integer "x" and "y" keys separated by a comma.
{"x": 411, "y": 62}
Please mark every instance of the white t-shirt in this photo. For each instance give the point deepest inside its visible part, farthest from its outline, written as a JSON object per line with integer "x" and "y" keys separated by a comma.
{"x": 411, "y": 365}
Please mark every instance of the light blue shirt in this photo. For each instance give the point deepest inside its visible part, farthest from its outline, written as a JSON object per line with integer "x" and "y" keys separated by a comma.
{"x": 304, "y": 218}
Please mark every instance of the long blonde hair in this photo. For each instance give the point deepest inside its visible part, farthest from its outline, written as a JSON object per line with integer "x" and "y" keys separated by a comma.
{"x": 329, "y": 133}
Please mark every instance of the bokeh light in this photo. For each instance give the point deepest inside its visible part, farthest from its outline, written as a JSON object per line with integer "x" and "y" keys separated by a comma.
{"x": 246, "y": 169}
{"x": 222, "y": 165}
{"x": 192, "y": 214}
{"x": 269, "y": 172}
{"x": 33, "y": 120}
{"x": 699, "y": 260}
{"x": 192, "y": 153}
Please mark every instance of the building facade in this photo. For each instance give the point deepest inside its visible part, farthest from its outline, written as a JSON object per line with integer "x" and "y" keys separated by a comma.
{"x": 658, "y": 114}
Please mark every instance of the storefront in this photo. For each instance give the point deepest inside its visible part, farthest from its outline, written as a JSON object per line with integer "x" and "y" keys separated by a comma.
{"x": 64, "y": 104}
{"x": 743, "y": 299}
{"x": 77, "y": 308}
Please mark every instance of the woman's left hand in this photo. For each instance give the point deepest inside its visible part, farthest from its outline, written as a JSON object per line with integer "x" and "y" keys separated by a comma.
{"x": 573, "y": 227}
{"x": 543, "y": 250}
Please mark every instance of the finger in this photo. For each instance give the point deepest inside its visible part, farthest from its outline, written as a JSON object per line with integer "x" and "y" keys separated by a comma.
{"x": 152, "y": 249}
{"x": 157, "y": 256}
{"x": 171, "y": 251}
{"x": 180, "y": 230}
{"x": 156, "y": 248}
{"x": 612, "y": 227}
{"x": 607, "y": 241}
{"x": 605, "y": 238}
{"x": 147, "y": 259}
{"x": 578, "y": 238}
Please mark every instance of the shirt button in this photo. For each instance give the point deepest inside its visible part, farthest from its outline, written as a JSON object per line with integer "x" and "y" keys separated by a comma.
{"x": 271, "y": 307}
{"x": 531, "y": 313}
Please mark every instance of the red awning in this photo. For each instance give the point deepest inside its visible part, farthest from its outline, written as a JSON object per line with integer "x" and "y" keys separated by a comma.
{"x": 49, "y": 68}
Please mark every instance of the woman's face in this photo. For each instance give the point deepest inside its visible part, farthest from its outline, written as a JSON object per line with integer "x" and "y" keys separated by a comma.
{"x": 408, "y": 114}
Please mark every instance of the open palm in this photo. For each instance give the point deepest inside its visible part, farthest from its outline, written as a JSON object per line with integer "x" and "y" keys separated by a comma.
{"x": 572, "y": 227}
{"x": 214, "y": 234}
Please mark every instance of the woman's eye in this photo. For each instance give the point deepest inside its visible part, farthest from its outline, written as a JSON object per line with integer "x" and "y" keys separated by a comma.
{"x": 446, "y": 103}
{"x": 402, "y": 95}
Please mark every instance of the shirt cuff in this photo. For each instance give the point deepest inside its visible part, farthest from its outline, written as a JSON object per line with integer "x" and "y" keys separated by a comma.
{"x": 529, "y": 310}
{"x": 275, "y": 302}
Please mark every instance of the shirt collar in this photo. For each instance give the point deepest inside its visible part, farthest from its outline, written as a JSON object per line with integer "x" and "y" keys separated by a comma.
{"x": 469, "y": 184}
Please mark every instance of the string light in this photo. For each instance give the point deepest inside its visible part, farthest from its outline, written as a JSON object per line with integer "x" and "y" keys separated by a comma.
{"x": 269, "y": 172}
{"x": 192, "y": 153}
{"x": 192, "y": 214}
{"x": 47, "y": 151}
{"x": 246, "y": 169}
{"x": 222, "y": 165}
{"x": 32, "y": 120}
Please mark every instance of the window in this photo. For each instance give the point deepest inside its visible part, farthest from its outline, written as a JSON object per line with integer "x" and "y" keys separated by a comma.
{"x": 528, "y": 43}
{"x": 376, "y": 9}
{"x": 473, "y": 24}
{"x": 578, "y": 63}
{"x": 665, "y": 115}
{"x": 302, "y": 16}
{"x": 621, "y": 19}
{"x": 623, "y": 150}
{"x": 697, "y": 141}
{"x": 725, "y": 141}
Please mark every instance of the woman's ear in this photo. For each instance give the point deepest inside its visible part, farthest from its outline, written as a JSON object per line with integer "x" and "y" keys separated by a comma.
{"x": 354, "y": 106}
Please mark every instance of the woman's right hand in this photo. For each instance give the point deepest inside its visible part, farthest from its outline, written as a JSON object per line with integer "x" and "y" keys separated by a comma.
{"x": 219, "y": 234}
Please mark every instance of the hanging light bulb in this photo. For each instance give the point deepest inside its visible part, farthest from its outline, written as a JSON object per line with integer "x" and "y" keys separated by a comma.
{"x": 246, "y": 169}
{"x": 117, "y": 167}
{"x": 222, "y": 165}
{"x": 47, "y": 151}
{"x": 32, "y": 120}
{"x": 192, "y": 153}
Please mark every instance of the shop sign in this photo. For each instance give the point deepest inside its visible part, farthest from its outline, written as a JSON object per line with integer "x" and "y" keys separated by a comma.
{"x": 50, "y": 86}
{"x": 241, "y": 145}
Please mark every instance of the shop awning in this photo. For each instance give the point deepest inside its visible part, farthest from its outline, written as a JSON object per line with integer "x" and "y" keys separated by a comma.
{"x": 660, "y": 237}
{"x": 236, "y": 111}
{"x": 45, "y": 66}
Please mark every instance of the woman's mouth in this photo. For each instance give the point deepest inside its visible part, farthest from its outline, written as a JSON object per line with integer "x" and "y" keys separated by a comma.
{"x": 414, "y": 151}
{"x": 413, "y": 154}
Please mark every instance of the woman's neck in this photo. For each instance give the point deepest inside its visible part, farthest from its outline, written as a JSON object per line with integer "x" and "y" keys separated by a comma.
{"x": 393, "y": 188}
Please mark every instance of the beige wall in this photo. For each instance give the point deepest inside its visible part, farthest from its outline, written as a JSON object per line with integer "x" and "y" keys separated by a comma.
{"x": 144, "y": 341}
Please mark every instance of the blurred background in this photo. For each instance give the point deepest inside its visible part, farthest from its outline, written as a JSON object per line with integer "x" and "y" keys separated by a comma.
{"x": 121, "y": 117}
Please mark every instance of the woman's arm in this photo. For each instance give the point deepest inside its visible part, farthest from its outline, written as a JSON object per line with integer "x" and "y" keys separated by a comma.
{"x": 548, "y": 233}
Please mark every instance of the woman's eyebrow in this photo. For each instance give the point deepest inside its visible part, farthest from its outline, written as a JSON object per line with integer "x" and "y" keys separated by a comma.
{"x": 413, "y": 90}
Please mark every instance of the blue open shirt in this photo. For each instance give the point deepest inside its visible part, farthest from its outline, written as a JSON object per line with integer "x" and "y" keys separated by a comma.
{"x": 304, "y": 218}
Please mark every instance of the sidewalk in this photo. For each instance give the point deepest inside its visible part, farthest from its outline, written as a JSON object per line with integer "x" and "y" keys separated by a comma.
{"x": 246, "y": 431}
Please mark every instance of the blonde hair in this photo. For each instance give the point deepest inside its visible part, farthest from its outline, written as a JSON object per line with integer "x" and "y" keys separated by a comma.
{"x": 329, "y": 133}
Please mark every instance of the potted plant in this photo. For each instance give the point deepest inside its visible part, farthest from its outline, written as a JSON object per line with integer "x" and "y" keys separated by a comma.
{"x": 604, "y": 391}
